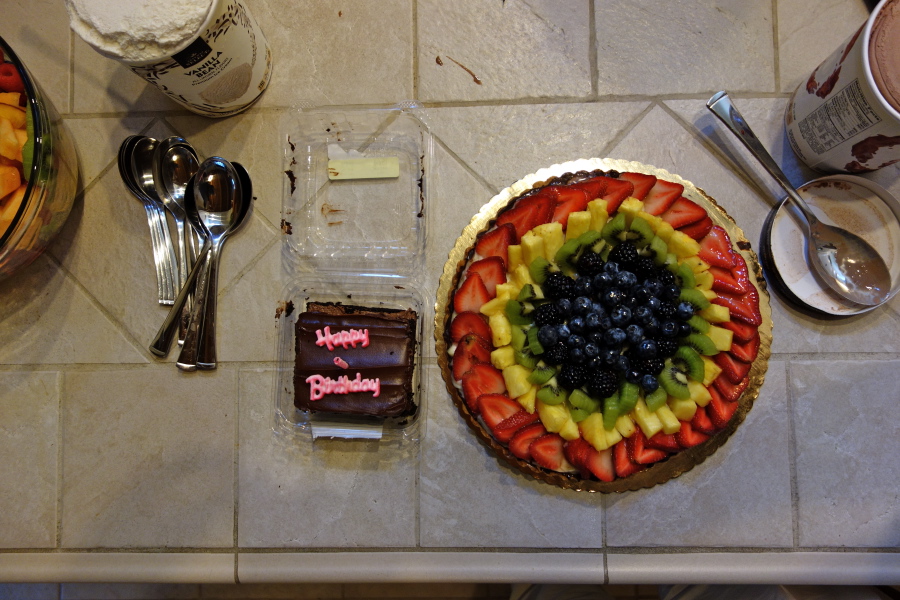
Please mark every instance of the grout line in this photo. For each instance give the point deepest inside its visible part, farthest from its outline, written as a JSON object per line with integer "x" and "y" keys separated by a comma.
{"x": 792, "y": 457}
{"x": 236, "y": 483}
{"x": 60, "y": 390}
{"x": 776, "y": 48}
{"x": 593, "y": 54}
{"x": 415, "y": 50}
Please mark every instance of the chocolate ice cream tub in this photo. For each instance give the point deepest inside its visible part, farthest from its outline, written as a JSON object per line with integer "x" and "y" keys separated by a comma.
{"x": 844, "y": 118}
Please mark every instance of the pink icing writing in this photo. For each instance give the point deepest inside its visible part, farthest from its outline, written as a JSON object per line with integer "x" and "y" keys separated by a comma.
{"x": 319, "y": 385}
{"x": 351, "y": 338}
{"x": 341, "y": 362}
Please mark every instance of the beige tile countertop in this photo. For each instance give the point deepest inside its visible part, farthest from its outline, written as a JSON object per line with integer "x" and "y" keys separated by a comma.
{"x": 118, "y": 467}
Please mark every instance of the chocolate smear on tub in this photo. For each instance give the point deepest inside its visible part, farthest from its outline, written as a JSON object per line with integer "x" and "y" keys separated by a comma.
{"x": 292, "y": 178}
{"x": 286, "y": 228}
{"x": 461, "y": 66}
{"x": 744, "y": 245}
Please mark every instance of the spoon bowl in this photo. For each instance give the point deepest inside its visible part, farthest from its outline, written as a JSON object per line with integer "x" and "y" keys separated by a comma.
{"x": 843, "y": 261}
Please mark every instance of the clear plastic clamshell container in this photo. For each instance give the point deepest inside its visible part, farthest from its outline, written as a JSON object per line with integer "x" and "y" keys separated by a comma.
{"x": 354, "y": 226}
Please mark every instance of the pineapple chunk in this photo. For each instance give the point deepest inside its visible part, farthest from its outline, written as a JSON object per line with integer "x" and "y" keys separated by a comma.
{"x": 503, "y": 357}
{"x": 501, "y": 329}
{"x": 665, "y": 231}
{"x": 704, "y": 280}
{"x": 613, "y": 437}
{"x": 699, "y": 394}
{"x": 710, "y": 295}
{"x": 696, "y": 264}
{"x": 507, "y": 290}
{"x": 516, "y": 378}
{"x": 527, "y": 399}
{"x": 514, "y": 254}
{"x": 578, "y": 223}
{"x": 710, "y": 370}
{"x": 522, "y": 276}
{"x": 682, "y": 244}
{"x": 670, "y": 423}
{"x": 631, "y": 207}
{"x": 552, "y": 234}
{"x": 648, "y": 421}
{"x": 653, "y": 220}
{"x": 497, "y": 306}
{"x": 721, "y": 337}
{"x": 593, "y": 431}
{"x": 716, "y": 313}
{"x": 599, "y": 215}
{"x": 532, "y": 247}
{"x": 625, "y": 426}
{"x": 570, "y": 431}
{"x": 553, "y": 416}
{"x": 683, "y": 408}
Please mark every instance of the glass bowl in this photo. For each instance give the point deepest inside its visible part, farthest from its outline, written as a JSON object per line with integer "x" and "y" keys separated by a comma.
{"x": 31, "y": 218}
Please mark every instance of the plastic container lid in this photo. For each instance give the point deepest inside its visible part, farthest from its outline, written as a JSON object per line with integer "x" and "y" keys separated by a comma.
{"x": 354, "y": 225}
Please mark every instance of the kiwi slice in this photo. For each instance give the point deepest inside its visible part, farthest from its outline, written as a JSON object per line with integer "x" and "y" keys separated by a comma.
{"x": 580, "y": 399}
{"x": 525, "y": 358}
{"x": 552, "y": 393}
{"x": 532, "y": 342}
{"x": 702, "y": 344}
{"x": 656, "y": 399}
{"x": 579, "y": 414}
{"x": 690, "y": 362}
{"x": 611, "y": 411}
{"x": 539, "y": 268}
{"x": 628, "y": 397}
{"x": 640, "y": 232}
{"x": 565, "y": 256}
{"x": 695, "y": 297}
{"x": 699, "y": 324}
{"x": 515, "y": 312}
{"x": 659, "y": 249}
{"x": 519, "y": 338}
{"x": 588, "y": 238}
{"x": 541, "y": 374}
{"x": 613, "y": 229}
{"x": 529, "y": 293}
{"x": 686, "y": 276}
{"x": 674, "y": 380}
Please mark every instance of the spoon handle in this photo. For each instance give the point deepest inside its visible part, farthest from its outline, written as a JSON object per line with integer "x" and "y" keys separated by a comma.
{"x": 206, "y": 354}
{"x": 187, "y": 359}
{"x": 721, "y": 106}
{"x": 163, "y": 340}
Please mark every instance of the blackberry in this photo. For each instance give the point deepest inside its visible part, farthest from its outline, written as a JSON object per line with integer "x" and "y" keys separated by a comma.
{"x": 589, "y": 264}
{"x": 624, "y": 253}
{"x": 665, "y": 276}
{"x": 649, "y": 366}
{"x": 602, "y": 383}
{"x": 547, "y": 313}
{"x": 644, "y": 267}
{"x": 665, "y": 347}
{"x": 666, "y": 310}
{"x": 558, "y": 286}
{"x": 572, "y": 376}
{"x": 556, "y": 354}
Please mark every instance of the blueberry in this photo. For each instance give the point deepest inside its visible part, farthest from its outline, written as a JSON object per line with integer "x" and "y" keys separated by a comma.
{"x": 621, "y": 315}
{"x": 684, "y": 311}
{"x": 643, "y": 314}
{"x": 684, "y": 329}
{"x": 595, "y": 363}
{"x": 605, "y": 323}
{"x": 575, "y": 341}
{"x": 615, "y": 336}
{"x": 563, "y": 331}
{"x": 592, "y": 321}
{"x": 576, "y": 325}
{"x": 612, "y": 297}
{"x": 565, "y": 306}
{"x": 635, "y": 333}
{"x": 582, "y": 305}
{"x": 598, "y": 308}
{"x": 649, "y": 383}
{"x": 653, "y": 286}
{"x": 669, "y": 328}
{"x": 583, "y": 286}
{"x": 647, "y": 349}
{"x": 671, "y": 292}
{"x": 597, "y": 337}
{"x": 651, "y": 327}
{"x": 603, "y": 280}
{"x": 654, "y": 303}
{"x": 612, "y": 267}
{"x": 633, "y": 375}
{"x": 609, "y": 356}
{"x": 548, "y": 336}
{"x": 626, "y": 279}
{"x": 576, "y": 355}
{"x": 640, "y": 294}
{"x": 622, "y": 363}
{"x": 591, "y": 350}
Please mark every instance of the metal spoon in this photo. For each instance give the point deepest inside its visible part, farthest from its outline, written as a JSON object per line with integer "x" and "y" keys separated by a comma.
{"x": 844, "y": 261}
{"x": 142, "y": 172}
{"x": 174, "y": 163}
{"x": 219, "y": 202}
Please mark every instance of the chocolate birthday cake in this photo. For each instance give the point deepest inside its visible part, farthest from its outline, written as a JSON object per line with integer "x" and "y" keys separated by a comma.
{"x": 353, "y": 360}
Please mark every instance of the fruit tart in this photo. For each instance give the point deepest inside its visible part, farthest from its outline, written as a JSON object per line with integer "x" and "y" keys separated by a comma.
{"x": 603, "y": 325}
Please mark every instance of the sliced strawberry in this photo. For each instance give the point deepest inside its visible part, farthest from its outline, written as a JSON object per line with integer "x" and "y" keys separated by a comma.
{"x": 683, "y": 212}
{"x": 699, "y": 229}
{"x": 689, "y": 438}
{"x": 616, "y": 192}
{"x": 468, "y": 322}
{"x": 664, "y": 441}
{"x": 745, "y": 351}
{"x": 471, "y": 295}
{"x": 568, "y": 200}
{"x": 719, "y": 410}
{"x": 492, "y": 272}
{"x": 471, "y": 349}
{"x": 520, "y": 442}
{"x": 506, "y": 429}
{"x": 589, "y": 461}
{"x": 640, "y": 452}
{"x": 725, "y": 281}
{"x": 594, "y": 187}
{"x": 661, "y": 196}
{"x": 496, "y": 242}
{"x": 496, "y": 408}
{"x": 482, "y": 378}
{"x": 715, "y": 248}
{"x": 600, "y": 464}
{"x": 743, "y": 332}
{"x": 623, "y": 463}
{"x": 547, "y": 451}
{"x": 743, "y": 307}
{"x": 10, "y": 80}
{"x": 732, "y": 368}
{"x": 529, "y": 212}
{"x": 642, "y": 182}
{"x": 730, "y": 392}
{"x": 701, "y": 421}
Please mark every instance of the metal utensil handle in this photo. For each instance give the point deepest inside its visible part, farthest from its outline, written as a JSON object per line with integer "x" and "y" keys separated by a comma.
{"x": 721, "y": 106}
{"x": 154, "y": 242}
{"x": 163, "y": 340}
{"x": 187, "y": 360}
{"x": 170, "y": 260}
{"x": 206, "y": 354}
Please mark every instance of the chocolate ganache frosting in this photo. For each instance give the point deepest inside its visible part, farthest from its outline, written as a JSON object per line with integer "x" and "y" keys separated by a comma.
{"x": 354, "y": 360}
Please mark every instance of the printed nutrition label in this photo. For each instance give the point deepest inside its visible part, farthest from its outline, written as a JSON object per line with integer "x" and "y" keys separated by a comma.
{"x": 842, "y": 116}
